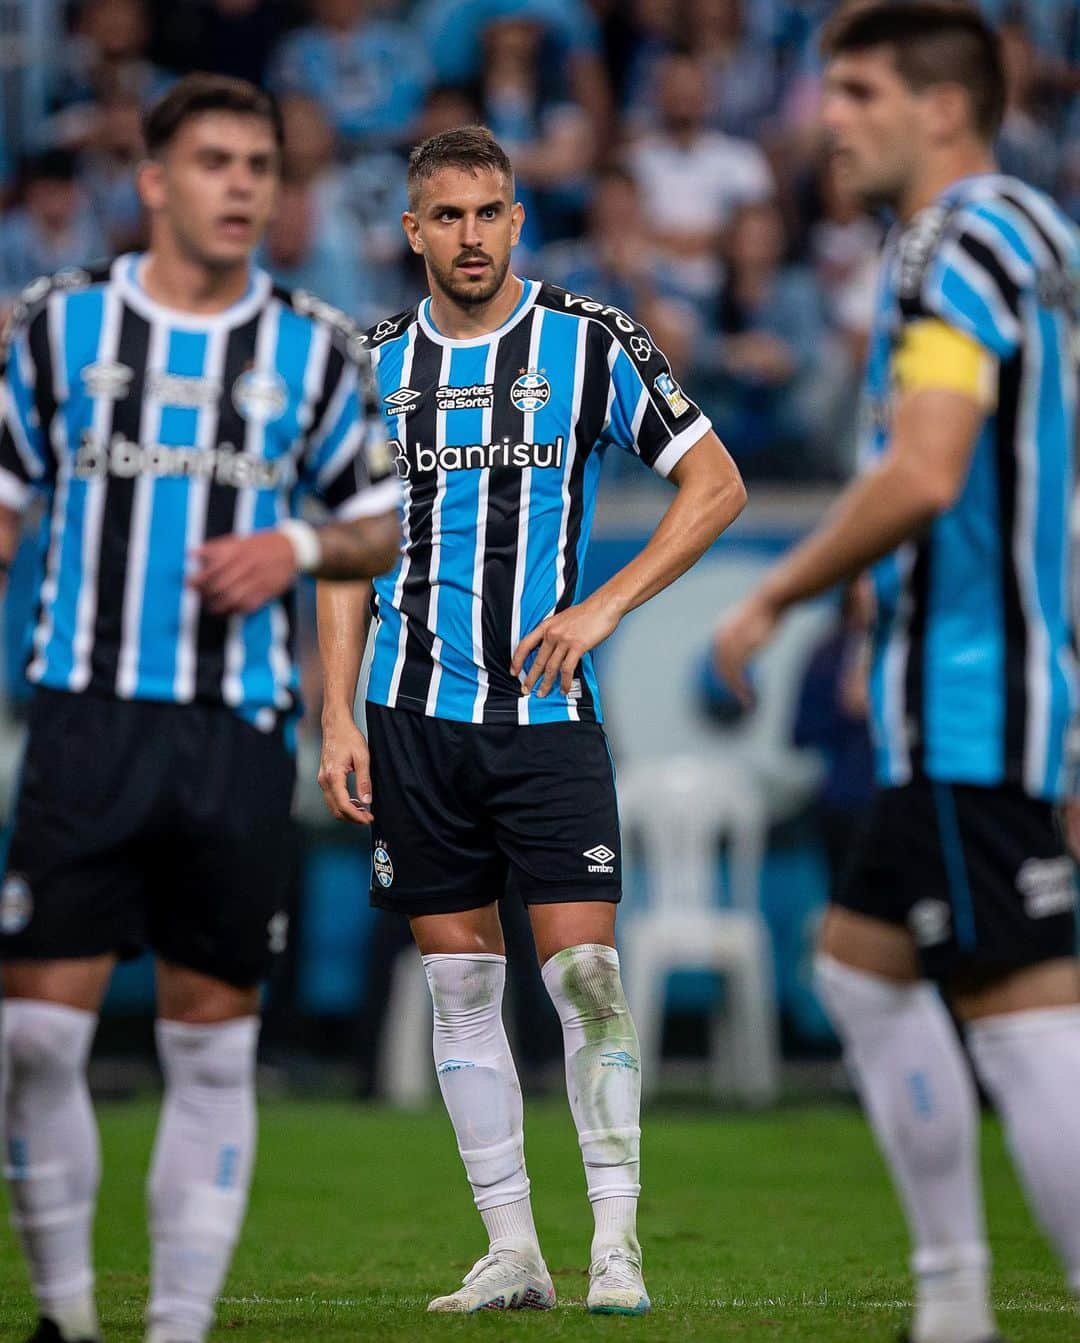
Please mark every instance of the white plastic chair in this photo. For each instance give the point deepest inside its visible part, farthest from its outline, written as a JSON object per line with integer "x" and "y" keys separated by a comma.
{"x": 681, "y": 809}
{"x": 406, "y": 1075}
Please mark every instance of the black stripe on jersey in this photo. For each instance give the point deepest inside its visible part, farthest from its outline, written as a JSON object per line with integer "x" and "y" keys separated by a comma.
{"x": 132, "y": 351}
{"x": 37, "y": 335}
{"x": 1018, "y": 204}
{"x": 335, "y": 366}
{"x": 221, "y": 501}
{"x": 914, "y": 673}
{"x": 416, "y": 591}
{"x": 1010, "y": 382}
{"x": 591, "y": 416}
{"x": 503, "y": 511}
{"x": 986, "y": 258}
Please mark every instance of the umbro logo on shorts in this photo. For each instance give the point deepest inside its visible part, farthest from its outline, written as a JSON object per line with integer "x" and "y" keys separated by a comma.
{"x": 600, "y": 858}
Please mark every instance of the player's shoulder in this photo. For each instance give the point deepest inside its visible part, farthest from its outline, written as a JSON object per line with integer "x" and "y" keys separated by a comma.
{"x": 345, "y": 332}
{"x": 619, "y": 324}
{"x": 32, "y": 302}
{"x": 389, "y": 328}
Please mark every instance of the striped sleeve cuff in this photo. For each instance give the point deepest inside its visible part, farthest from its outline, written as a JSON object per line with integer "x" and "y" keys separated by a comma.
{"x": 381, "y": 498}
{"x": 681, "y": 444}
{"x": 14, "y": 493}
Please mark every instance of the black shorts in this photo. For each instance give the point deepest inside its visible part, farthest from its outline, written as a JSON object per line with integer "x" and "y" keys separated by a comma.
{"x": 979, "y": 876}
{"x": 466, "y": 812}
{"x": 145, "y": 824}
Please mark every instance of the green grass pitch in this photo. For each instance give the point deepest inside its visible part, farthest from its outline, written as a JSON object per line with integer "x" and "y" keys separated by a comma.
{"x": 775, "y": 1227}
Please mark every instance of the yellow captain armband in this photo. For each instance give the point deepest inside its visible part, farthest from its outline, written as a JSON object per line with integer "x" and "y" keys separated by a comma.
{"x": 932, "y": 354}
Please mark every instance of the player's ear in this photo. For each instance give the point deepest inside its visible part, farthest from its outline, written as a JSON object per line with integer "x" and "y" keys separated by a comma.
{"x": 150, "y": 181}
{"x": 411, "y": 225}
{"x": 947, "y": 111}
{"x": 517, "y": 222}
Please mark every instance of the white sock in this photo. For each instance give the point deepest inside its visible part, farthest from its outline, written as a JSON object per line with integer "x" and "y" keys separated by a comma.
{"x": 603, "y": 1082}
{"x": 201, "y": 1170}
{"x": 53, "y": 1162}
{"x": 480, "y": 1088}
{"x": 919, "y": 1097}
{"x": 1030, "y": 1064}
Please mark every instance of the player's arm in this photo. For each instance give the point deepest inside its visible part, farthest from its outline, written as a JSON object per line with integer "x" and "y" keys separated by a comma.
{"x": 710, "y": 495}
{"x": 344, "y": 614}
{"x": 10, "y": 521}
{"x": 945, "y": 380}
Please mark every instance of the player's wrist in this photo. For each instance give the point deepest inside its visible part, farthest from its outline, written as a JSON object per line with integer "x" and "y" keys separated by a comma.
{"x": 305, "y": 542}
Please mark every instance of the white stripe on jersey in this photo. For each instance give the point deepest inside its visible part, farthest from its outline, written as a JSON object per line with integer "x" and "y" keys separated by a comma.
{"x": 314, "y": 376}
{"x": 32, "y": 464}
{"x": 953, "y": 257}
{"x": 897, "y": 652}
{"x": 232, "y": 688}
{"x": 198, "y": 496}
{"x": 54, "y": 320}
{"x": 127, "y": 671}
{"x": 406, "y": 553}
{"x": 571, "y": 453}
{"x": 478, "y": 554}
{"x": 94, "y": 507}
{"x": 528, "y": 429}
{"x": 436, "y": 543}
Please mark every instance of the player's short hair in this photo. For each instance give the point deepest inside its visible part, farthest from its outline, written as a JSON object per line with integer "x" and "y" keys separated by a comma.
{"x": 933, "y": 42}
{"x": 471, "y": 148}
{"x": 198, "y": 93}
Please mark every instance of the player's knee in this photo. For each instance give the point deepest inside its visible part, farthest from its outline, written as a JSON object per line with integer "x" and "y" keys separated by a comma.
{"x": 44, "y": 1043}
{"x": 585, "y": 985}
{"x": 466, "y": 994}
{"x": 852, "y": 996}
{"x": 213, "y": 1058}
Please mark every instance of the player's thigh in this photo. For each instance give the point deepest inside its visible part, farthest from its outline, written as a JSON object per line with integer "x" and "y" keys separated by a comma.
{"x": 73, "y": 886}
{"x": 79, "y": 983}
{"x": 869, "y": 944}
{"x": 551, "y": 796}
{"x": 1032, "y": 988}
{"x": 434, "y": 852}
{"x": 197, "y": 999}
{"x": 227, "y": 858}
{"x": 559, "y": 925}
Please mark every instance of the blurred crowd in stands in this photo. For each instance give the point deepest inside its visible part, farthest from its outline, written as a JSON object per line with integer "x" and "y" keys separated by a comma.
{"x": 668, "y": 155}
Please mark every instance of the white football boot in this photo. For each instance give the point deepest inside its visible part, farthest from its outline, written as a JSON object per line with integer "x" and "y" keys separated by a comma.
{"x": 502, "y": 1280}
{"x": 615, "y": 1284}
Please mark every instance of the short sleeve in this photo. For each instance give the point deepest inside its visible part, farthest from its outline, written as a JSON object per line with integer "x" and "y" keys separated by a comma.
{"x": 25, "y": 458}
{"x": 650, "y": 415}
{"x": 347, "y": 462}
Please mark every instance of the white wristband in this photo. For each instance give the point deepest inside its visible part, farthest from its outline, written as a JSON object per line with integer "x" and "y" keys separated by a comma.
{"x": 304, "y": 539}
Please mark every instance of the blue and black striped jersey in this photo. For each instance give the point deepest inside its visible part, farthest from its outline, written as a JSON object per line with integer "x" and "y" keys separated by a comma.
{"x": 151, "y": 430}
{"x": 499, "y": 442}
{"x": 973, "y": 676}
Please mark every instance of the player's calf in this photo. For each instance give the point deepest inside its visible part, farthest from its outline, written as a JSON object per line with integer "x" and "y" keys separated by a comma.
{"x": 603, "y": 1080}
{"x": 52, "y": 1158}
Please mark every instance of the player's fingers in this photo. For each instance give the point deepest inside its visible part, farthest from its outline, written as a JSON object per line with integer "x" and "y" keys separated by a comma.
{"x": 569, "y": 667}
{"x": 524, "y": 648}
{"x": 551, "y": 670}
{"x": 536, "y": 670}
{"x": 332, "y": 780}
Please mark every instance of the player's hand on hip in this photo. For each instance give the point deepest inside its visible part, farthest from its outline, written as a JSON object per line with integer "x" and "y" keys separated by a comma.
{"x": 345, "y": 752}
{"x": 561, "y": 641}
{"x": 238, "y": 574}
{"x": 742, "y": 632}
{"x": 1070, "y": 821}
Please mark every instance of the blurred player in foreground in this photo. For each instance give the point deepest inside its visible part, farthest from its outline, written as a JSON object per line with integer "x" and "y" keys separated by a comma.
{"x": 489, "y": 768}
{"x": 167, "y": 404}
{"x": 962, "y": 510}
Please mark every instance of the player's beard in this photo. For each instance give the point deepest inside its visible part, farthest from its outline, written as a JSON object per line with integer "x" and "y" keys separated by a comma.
{"x": 465, "y": 292}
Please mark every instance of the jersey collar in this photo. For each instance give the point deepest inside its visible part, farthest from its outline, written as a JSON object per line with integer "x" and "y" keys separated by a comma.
{"x": 125, "y": 275}
{"x": 529, "y": 292}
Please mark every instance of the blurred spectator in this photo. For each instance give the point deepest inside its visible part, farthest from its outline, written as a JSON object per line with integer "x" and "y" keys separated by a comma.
{"x": 52, "y": 228}
{"x": 533, "y": 116}
{"x": 367, "y": 74}
{"x": 843, "y": 248}
{"x": 105, "y": 59}
{"x": 1025, "y": 146}
{"x": 311, "y": 243}
{"x": 615, "y": 263}
{"x": 764, "y": 377}
{"x": 230, "y": 37}
{"x": 692, "y": 179}
{"x": 108, "y": 173}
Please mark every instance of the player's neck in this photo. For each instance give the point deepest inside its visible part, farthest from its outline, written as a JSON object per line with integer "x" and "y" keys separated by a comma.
{"x": 458, "y": 321}
{"x": 940, "y": 173}
{"x": 177, "y": 281}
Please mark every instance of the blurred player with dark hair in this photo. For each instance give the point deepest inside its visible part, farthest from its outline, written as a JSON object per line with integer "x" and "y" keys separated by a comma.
{"x": 962, "y": 513}
{"x": 489, "y": 770}
{"x": 168, "y": 405}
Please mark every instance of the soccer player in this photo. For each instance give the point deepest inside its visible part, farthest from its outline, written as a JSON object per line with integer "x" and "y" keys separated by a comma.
{"x": 168, "y": 405}
{"x": 489, "y": 769}
{"x": 962, "y": 512}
